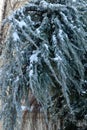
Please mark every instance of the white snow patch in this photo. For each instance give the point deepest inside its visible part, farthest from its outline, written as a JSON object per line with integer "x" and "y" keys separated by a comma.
{"x": 34, "y": 57}
{"x": 37, "y": 31}
{"x": 84, "y": 92}
{"x": 61, "y": 34}
{"x": 85, "y": 81}
{"x": 30, "y": 73}
{"x": 22, "y": 23}
{"x": 17, "y": 79}
{"x": 46, "y": 46}
{"x": 15, "y": 36}
{"x": 74, "y": 0}
{"x": 23, "y": 108}
{"x": 54, "y": 39}
{"x": 43, "y": 4}
{"x": 58, "y": 58}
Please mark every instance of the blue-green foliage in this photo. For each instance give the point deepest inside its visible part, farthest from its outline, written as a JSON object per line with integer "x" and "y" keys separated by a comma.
{"x": 47, "y": 52}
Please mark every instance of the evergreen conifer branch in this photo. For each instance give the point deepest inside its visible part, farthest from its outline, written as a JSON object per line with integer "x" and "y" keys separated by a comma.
{"x": 45, "y": 52}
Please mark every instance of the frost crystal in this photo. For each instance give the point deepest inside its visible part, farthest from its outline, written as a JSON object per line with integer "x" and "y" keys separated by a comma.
{"x": 34, "y": 57}
{"x": 15, "y": 36}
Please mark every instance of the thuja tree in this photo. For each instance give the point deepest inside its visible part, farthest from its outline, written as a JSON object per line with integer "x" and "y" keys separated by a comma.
{"x": 46, "y": 51}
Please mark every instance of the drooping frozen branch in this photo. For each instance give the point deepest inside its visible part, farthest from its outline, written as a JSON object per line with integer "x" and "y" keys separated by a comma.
{"x": 44, "y": 7}
{"x": 46, "y": 51}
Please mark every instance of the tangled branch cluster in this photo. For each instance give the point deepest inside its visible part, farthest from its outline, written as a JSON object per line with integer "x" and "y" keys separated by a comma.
{"x": 47, "y": 52}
